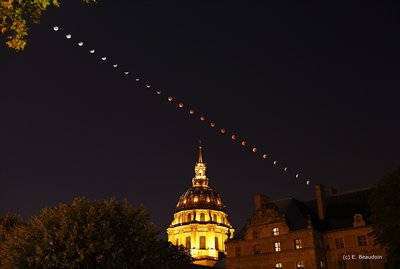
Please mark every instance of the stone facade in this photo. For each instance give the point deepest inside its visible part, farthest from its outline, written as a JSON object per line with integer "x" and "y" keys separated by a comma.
{"x": 331, "y": 231}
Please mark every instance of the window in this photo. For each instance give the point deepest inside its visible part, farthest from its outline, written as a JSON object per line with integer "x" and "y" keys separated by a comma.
{"x": 202, "y": 217}
{"x": 257, "y": 249}
{"x": 202, "y": 242}
{"x": 275, "y": 230}
{"x": 177, "y": 242}
{"x": 339, "y": 243}
{"x": 255, "y": 235}
{"x": 321, "y": 264}
{"x": 278, "y": 265}
{"x": 342, "y": 264}
{"x": 216, "y": 243}
{"x": 238, "y": 251}
{"x": 188, "y": 244}
{"x": 277, "y": 246}
{"x": 299, "y": 264}
{"x": 362, "y": 240}
{"x": 366, "y": 264}
{"x": 215, "y": 218}
{"x": 298, "y": 243}
{"x": 189, "y": 217}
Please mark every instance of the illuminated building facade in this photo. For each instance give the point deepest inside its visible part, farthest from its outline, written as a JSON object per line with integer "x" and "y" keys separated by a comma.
{"x": 200, "y": 222}
{"x": 331, "y": 231}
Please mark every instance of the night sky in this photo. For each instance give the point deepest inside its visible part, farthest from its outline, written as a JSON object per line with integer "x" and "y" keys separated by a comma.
{"x": 315, "y": 85}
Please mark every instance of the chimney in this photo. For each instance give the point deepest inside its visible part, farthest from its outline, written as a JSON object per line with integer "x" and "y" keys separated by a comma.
{"x": 321, "y": 197}
{"x": 260, "y": 201}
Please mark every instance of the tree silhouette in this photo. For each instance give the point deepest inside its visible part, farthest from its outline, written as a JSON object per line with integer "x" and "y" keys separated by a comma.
{"x": 385, "y": 203}
{"x": 89, "y": 234}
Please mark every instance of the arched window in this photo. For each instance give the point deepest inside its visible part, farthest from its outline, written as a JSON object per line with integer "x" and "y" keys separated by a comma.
{"x": 202, "y": 217}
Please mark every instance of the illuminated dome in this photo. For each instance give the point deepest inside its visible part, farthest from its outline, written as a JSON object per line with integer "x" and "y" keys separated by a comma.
{"x": 200, "y": 197}
{"x": 200, "y": 222}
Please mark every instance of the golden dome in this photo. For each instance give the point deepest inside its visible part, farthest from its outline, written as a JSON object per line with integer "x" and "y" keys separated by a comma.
{"x": 198, "y": 197}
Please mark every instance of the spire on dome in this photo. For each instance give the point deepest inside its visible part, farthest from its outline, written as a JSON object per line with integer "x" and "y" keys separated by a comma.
{"x": 200, "y": 154}
{"x": 200, "y": 178}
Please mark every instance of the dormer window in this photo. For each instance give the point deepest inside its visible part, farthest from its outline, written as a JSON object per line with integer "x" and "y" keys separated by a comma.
{"x": 358, "y": 220}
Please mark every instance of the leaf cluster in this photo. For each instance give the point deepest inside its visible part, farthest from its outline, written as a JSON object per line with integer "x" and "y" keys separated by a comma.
{"x": 16, "y": 15}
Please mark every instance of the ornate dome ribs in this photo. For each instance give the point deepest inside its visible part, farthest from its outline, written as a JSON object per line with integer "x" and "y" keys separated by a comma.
{"x": 200, "y": 198}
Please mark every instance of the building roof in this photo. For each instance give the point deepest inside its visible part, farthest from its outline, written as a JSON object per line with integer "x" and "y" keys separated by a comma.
{"x": 342, "y": 207}
{"x": 340, "y": 211}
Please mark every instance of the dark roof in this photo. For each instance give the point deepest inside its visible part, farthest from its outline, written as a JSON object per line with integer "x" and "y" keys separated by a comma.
{"x": 342, "y": 207}
{"x": 296, "y": 213}
{"x": 340, "y": 211}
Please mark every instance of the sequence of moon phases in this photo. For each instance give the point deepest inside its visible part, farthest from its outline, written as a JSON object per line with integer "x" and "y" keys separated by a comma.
{"x": 181, "y": 105}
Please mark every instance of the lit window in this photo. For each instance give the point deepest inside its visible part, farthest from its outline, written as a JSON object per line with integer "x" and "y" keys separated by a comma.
{"x": 362, "y": 240}
{"x": 216, "y": 243}
{"x": 275, "y": 230}
{"x": 256, "y": 249}
{"x": 202, "y": 217}
{"x": 255, "y": 234}
{"x": 202, "y": 242}
{"x": 238, "y": 251}
{"x": 365, "y": 264}
{"x": 339, "y": 243}
{"x": 342, "y": 264}
{"x": 177, "y": 242}
{"x": 299, "y": 264}
{"x": 278, "y": 265}
{"x": 321, "y": 264}
{"x": 188, "y": 244}
{"x": 215, "y": 218}
{"x": 277, "y": 246}
{"x": 298, "y": 243}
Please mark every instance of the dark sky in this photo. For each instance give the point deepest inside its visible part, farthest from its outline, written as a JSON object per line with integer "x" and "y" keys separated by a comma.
{"x": 315, "y": 85}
